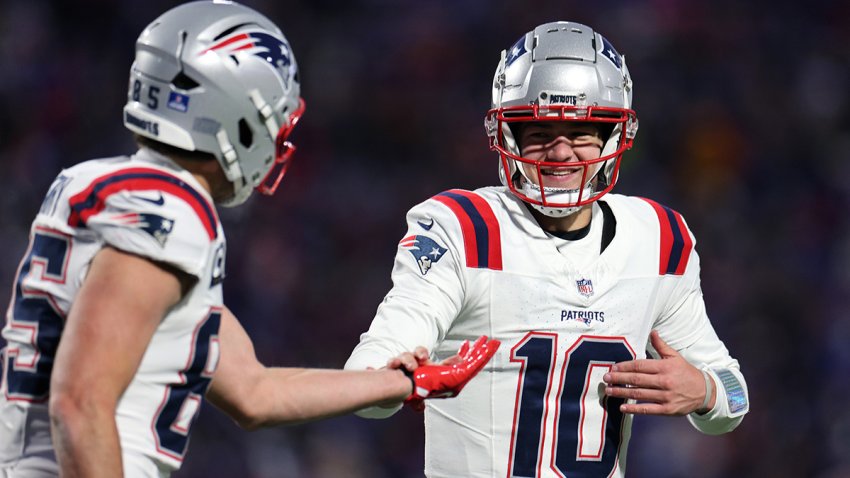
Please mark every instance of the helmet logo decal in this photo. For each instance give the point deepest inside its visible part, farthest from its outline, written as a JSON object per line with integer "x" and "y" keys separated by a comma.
{"x": 610, "y": 53}
{"x": 178, "y": 102}
{"x": 268, "y": 47}
{"x": 425, "y": 250}
{"x": 558, "y": 99}
{"x": 516, "y": 51}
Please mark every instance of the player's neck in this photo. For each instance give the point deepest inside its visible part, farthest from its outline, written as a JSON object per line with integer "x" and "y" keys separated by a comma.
{"x": 573, "y": 222}
{"x": 209, "y": 174}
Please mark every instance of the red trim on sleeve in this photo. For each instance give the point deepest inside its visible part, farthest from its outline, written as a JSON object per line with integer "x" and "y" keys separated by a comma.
{"x": 494, "y": 238}
{"x": 469, "y": 241}
{"x": 92, "y": 200}
{"x": 688, "y": 244}
{"x": 666, "y": 235}
{"x": 676, "y": 242}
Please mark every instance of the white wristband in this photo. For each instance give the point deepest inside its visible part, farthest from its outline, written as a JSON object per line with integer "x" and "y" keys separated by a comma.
{"x": 709, "y": 388}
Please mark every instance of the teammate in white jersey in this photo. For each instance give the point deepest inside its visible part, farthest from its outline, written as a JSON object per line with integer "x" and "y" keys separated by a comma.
{"x": 126, "y": 262}
{"x": 577, "y": 286}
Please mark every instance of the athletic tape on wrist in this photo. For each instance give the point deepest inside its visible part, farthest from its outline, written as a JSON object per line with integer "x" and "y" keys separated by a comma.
{"x": 709, "y": 389}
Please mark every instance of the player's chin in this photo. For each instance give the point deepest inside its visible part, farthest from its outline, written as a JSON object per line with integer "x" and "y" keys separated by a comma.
{"x": 564, "y": 183}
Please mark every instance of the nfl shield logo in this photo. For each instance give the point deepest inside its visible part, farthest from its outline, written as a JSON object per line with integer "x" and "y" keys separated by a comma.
{"x": 585, "y": 287}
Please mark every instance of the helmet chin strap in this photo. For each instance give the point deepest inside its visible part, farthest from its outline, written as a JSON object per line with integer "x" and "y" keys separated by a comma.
{"x": 554, "y": 195}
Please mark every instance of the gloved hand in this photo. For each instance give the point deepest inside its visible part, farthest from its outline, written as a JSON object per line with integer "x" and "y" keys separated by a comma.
{"x": 448, "y": 378}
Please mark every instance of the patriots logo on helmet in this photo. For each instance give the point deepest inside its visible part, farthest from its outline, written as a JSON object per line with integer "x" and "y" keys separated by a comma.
{"x": 157, "y": 226}
{"x": 268, "y": 47}
{"x": 610, "y": 53}
{"x": 425, "y": 250}
{"x": 516, "y": 50}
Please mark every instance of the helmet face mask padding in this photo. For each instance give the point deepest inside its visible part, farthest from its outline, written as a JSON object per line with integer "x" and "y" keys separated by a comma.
{"x": 220, "y": 78}
{"x": 561, "y": 71}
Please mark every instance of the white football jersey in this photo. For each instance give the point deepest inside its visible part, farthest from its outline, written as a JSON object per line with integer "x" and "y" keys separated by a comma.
{"x": 147, "y": 206}
{"x": 477, "y": 263}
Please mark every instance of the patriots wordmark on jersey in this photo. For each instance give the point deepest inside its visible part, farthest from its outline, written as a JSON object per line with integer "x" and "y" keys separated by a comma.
{"x": 146, "y": 206}
{"x": 565, "y": 311}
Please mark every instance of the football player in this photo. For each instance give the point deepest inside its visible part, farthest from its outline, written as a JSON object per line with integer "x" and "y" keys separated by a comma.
{"x": 117, "y": 331}
{"x": 576, "y": 282}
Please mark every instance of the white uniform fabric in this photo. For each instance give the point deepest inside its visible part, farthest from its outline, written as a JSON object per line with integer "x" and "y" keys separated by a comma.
{"x": 476, "y": 263}
{"x": 145, "y": 205}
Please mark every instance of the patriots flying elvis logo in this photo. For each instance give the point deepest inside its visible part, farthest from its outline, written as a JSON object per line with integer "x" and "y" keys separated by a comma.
{"x": 610, "y": 53}
{"x": 515, "y": 51}
{"x": 425, "y": 250}
{"x": 157, "y": 226}
{"x": 268, "y": 47}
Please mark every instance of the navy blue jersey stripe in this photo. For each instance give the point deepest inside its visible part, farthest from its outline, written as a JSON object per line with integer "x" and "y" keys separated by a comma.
{"x": 482, "y": 234}
{"x": 92, "y": 199}
{"x": 678, "y": 242}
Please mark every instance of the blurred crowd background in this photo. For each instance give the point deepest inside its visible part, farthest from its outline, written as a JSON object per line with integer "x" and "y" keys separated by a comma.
{"x": 744, "y": 128}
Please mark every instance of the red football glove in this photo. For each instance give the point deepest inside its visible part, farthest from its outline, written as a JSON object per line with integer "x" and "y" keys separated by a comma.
{"x": 448, "y": 379}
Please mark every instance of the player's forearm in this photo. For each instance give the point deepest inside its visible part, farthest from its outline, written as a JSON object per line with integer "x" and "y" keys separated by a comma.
{"x": 732, "y": 403}
{"x": 731, "y": 400}
{"x": 85, "y": 439}
{"x": 291, "y": 395}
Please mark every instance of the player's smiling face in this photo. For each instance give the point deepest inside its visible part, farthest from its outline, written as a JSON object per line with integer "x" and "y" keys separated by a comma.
{"x": 562, "y": 143}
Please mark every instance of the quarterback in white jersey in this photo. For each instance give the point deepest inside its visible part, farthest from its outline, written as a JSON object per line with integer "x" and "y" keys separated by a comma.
{"x": 116, "y": 331}
{"x": 576, "y": 286}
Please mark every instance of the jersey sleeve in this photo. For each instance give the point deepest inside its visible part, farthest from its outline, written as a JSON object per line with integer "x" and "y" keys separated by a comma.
{"x": 685, "y": 326}
{"x": 176, "y": 228}
{"x": 427, "y": 293}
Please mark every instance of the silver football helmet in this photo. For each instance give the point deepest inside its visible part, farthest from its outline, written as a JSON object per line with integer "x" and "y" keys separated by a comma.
{"x": 561, "y": 71}
{"x": 220, "y": 78}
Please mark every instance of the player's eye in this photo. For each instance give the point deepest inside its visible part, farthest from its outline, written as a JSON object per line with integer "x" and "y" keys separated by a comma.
{"x": 537, "y": 135}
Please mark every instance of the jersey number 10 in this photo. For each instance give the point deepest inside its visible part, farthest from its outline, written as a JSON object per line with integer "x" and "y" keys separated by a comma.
{"x": 587, "y": 426}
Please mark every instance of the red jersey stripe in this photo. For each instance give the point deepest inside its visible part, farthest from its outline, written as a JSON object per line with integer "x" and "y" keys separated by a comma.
{"x": 92, "y": 200}
{"x": 494, "y": 238}
{"x": 688, "y": 244}
{"x": 666, "y": 235}
{"x": 470, "y": 243}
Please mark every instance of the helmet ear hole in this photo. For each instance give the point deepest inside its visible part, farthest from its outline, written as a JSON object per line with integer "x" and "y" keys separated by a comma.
{"x": 212, "y": 77}
{"x": 184, "y": 82}
{"x": 246, "y": 136}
